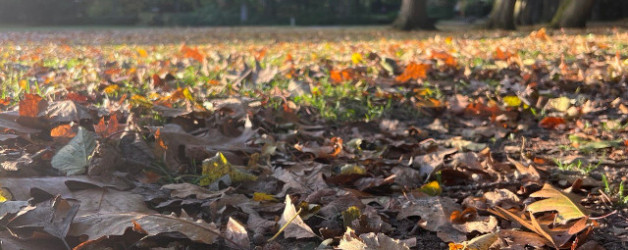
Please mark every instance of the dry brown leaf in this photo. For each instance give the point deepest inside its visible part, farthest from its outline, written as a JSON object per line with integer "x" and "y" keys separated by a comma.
{"x": 370, "y": 241}
{"x": 97, "y": 225}
{"x": 52, "y": 217}
{"x": 434, "y": 212}
{"x": 67, "y": 111}
{"x": 185, "y": 190}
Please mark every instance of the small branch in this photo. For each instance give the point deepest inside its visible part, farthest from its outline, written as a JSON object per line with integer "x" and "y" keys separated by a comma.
{"x": 285, "y": 225}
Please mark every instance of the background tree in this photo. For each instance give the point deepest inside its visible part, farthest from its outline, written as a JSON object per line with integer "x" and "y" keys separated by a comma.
{"x": 413, "y": 15}
{"x": 572, "y": 14}
{"x": 502, "y": 15}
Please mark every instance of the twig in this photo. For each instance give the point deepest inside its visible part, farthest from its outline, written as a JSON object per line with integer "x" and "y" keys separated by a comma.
{"x": 285, "y": 225}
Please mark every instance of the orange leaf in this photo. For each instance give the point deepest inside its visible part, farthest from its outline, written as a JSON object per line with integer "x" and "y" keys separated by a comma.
{"x": 340, "y": 76}
{"x": 109, "y": 129}
{"x": 31, "y": 105}
{"x": 413, "y": 71}
{"x": 444, "y": 56}
{"x": 540, "y": 34}
{"x": 63, "y": 131}
{"x": 551, "y": 122}
{"x": 5, "y": 101}
{"x": 458, "y": 217}
{"x": 159, "y": 140}
{"x": 502, "y": 54}
{"x": 77, "y": 97}
{"x": 192, "y": 53}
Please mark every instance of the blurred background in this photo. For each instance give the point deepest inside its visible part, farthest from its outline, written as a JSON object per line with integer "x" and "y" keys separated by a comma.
{"x": 269, "y": 12}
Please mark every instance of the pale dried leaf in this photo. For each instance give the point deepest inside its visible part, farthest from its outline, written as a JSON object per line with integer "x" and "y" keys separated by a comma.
{"x": 297, "y": 228}
{"x": 236, "y": 232}
{"x": 73, "y": 158}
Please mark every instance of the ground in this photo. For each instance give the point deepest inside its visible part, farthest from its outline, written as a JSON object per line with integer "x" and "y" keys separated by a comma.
{"x": 433, "y": 139}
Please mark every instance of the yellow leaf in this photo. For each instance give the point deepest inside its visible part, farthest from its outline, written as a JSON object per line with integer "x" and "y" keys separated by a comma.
{"x": 23, "y": 84}
{"x": 141, "y": 101}
{"x": 142, "y": 52}
{"x": 187, "y": 94}
{"x": 263, "y": 197}
{"x": 432, "y": 188}
{"x": 111, "y": 89}
{"x": 5, "y": 195}
{"x": 564, "y": 203}
{"x": 356, "y": 58}
{"x": 352, "y": 213}
{"x": 449, "y": 40}
{"x": 352, "y": 169}
{"x": 561, "y": 104}
{"x": 482, "y": 242}
{"x": 512, "y": 101}
{"x": 216, "y": 167}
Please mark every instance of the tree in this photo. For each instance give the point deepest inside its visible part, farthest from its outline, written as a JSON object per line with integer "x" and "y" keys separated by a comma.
{"x": 572, "y": 14}
{"x": 413, "y": 15}
{"x": 502, "y": 15}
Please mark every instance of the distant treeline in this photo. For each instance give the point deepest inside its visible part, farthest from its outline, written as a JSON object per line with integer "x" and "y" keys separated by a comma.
{"x": 250, "y": 12}
{"x": 198, "y": 12}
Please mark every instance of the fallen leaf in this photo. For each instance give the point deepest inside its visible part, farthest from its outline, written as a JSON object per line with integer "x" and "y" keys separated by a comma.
{"x": 369, "y": 241}
{"x": 67, "y": 111}
{"x": 565, "y": 204}
{"x": 53, "y": 218}
{"x": 73, "y": 158}
{"x": 551, "y": 122}
{"x": 63, "y": 131}
{"x": 97, "y": 225}
{"x": 185, "y": 190}
{"x": 297, "y": 228}
{"x": 236, "y": 232}
{"x": 434, "y": 213}
{"x": 413, "y": 71}
{"x": 32, "y": 105}
{"x": 216, "y": 167}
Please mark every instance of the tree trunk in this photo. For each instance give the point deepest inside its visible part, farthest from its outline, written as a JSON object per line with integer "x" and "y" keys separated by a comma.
{"x": 413, "y": 15}
{"x": 502, "y": 15}
{"x": 549, "y": 9}
{"x": 572, "y": 14}
{"x": 530, "y": 12}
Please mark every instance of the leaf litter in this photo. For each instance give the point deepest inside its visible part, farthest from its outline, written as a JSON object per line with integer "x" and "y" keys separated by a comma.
{"x": 415, "y": 141}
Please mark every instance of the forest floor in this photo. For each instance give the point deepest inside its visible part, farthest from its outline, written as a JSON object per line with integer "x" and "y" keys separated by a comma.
{"x": 313, "y": 138}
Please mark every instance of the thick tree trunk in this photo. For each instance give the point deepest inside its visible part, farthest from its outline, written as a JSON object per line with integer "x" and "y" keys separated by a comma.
{"x": 529, "y": 12}
{"x": 572, "y": 14}
{"x": 502, "y": 15}
{"x": 549, "y": 9}
{"x": 413, "y": 15}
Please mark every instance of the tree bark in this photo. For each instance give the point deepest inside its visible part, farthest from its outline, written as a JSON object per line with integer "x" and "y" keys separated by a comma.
{"x": 530, "y": 12}
{"x": 502, "y": 15}
{"x": 413, "y": 15}
{"x": 572, "y": 14}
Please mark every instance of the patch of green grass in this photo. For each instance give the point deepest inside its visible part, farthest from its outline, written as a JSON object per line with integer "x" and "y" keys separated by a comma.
{"x": 344, "y": 102}
{"x": 617, "y": 194}
{"x": 577, "y": 166}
